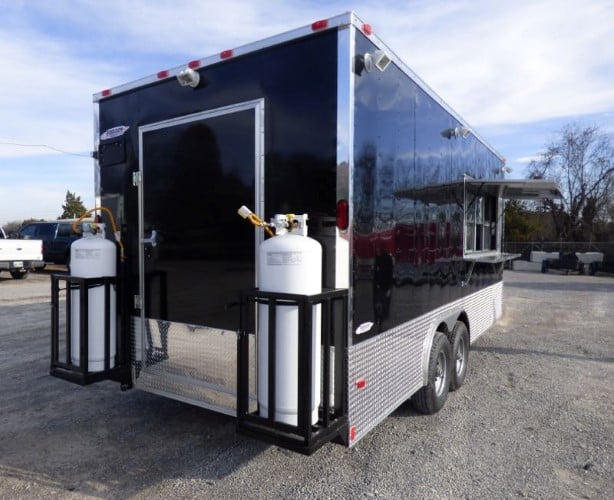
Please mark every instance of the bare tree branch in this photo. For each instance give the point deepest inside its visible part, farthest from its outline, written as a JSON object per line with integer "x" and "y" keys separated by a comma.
{"x": 580, "y": 159}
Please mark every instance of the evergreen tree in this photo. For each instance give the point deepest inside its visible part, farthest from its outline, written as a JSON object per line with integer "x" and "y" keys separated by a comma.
{"x": 73, "y": 207}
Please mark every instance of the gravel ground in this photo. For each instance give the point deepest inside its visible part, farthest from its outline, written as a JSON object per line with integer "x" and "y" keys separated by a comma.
{"x": 535, "y": 419}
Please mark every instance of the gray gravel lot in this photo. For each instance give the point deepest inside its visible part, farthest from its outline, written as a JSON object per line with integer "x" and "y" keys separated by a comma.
{"x": 535, "y": 419}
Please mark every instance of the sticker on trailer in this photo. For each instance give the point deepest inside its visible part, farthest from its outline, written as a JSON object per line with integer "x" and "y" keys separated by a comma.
{"x": 114, "y": 132}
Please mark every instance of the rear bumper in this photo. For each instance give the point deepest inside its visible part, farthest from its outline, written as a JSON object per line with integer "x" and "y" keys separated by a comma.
{"x": 18, "y": 265}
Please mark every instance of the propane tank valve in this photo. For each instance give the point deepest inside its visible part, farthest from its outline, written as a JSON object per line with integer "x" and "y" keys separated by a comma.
{"x": 247, "y": 214}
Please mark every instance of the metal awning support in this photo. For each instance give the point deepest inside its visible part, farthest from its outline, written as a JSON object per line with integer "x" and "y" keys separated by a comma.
{"x": 497, "y": 260}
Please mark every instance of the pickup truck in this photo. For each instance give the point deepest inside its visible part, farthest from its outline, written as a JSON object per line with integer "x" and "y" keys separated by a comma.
{"x": 20, "y": 256}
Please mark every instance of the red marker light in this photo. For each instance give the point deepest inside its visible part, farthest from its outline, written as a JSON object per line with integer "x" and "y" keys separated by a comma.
{"x": 226, "y": 54}
{"x": 106, "y": 93}
{"x": 361, "y": 383}
{"x": 194, "y": 64}
{"x": 343, "y": 215}
{"x": 367, "y": 29}
{"x": 320, "y": 25}
{"x": 352, "y": 433}
{"x": 162, "y": 74}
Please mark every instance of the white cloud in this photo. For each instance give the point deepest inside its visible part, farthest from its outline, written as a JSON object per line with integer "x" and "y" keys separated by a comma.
{"x": 512, "y": 62}
{"x": 493, "y": 62}
{"x": 496, "y": 63}
{"x": 46, "y": 95}
{"x": 527, "y": 159}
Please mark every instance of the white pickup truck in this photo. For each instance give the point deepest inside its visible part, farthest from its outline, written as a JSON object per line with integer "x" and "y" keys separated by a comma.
{"x": 20, "y": 256}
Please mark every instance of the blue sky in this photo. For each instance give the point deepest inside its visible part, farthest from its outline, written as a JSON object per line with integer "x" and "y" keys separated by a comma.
{"x": 516, "y": 71}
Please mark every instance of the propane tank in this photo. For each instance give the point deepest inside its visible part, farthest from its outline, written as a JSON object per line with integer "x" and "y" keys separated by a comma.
{"x": 93, "y": 256}
{"x": 290, "y": 262}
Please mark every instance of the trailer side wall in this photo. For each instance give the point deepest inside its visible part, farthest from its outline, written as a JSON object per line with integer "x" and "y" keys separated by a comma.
{"x": 408, "y": 253}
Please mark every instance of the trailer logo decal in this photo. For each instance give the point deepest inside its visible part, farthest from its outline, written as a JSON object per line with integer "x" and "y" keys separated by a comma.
{"x": 364, "y": 327}
{"x": 114, "y": 132}
{"x": 284, "y": 258}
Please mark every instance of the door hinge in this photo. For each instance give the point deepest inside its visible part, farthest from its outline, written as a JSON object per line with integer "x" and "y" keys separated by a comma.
{"x": 136, "y": 178}
{"x": 138, "y": 303}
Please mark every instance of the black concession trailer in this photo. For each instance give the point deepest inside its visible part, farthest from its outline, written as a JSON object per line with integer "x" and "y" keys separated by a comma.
{"x": 404, "y": 197}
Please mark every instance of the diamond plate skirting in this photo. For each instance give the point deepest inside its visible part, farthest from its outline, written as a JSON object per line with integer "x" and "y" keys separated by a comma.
{"x": 393, "y": 365}
{"x": 198, "y": 365}
{"x": 194, "y": 364}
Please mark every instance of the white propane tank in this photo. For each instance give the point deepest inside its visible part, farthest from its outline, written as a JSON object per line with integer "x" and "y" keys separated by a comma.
{"x": 93, "y": 256}
{"x": 290, "y": 262}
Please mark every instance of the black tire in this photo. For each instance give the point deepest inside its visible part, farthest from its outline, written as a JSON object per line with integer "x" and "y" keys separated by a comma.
{"x": 431, "y": 398}
{"x": 19, "y": 275}
{"x": 544, "y": 266}
{"x": 459, "y": 343}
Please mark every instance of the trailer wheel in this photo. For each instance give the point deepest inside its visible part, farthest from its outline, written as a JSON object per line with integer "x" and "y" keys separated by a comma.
{"x": 431, "y": 398}
{"x": 19, "y": 275}
{"x": 459, "y": 342}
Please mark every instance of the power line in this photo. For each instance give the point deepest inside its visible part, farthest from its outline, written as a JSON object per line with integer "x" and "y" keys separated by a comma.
{"x": 58, "y": 150}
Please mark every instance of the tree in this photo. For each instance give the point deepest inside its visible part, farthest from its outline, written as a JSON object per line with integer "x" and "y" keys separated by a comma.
{"x": 581, "y": 161}
{"x": 73, "y": 207}
{"x": 11, "y": 228}
{"x": 519, "y": 226}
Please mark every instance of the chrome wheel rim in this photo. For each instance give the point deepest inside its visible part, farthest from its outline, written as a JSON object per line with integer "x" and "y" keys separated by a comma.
{"x": 461, "y": 355}
{"x": 440, "y": 373}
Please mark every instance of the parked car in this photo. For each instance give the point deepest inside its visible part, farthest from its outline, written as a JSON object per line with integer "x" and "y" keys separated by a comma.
{"x": 19, "y": 257}
{"x": 566, "y": 262}
{"x": 606, "y": 266}
{"x": 57, "y": 236}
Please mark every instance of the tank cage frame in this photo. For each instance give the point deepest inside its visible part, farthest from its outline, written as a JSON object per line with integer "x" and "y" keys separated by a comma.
{"x": 61, "y": 345}
{"x": 332, "y": 418}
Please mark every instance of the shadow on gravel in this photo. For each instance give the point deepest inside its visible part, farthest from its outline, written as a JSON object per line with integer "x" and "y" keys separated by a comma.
{"x": 527, "y": 352}
{"x": 97, "y": 440}
{"x": 406, "y": 409}
{"x": 105, "y": 444}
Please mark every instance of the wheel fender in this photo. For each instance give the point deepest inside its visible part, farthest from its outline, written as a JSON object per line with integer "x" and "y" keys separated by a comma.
{"x": 426, "y": 351}
{"x": 449, "y": 319}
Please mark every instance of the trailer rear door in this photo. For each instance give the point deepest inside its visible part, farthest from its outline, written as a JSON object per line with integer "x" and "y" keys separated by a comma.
{"x": 196, "y": 253}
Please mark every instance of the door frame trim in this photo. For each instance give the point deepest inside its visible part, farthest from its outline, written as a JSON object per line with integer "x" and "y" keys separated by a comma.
{"x": 257, "y": 105}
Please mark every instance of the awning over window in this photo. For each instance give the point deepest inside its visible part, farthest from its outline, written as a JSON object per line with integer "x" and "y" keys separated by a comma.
{"x": 516, "y": 189}
{"x": 492, "y": 258}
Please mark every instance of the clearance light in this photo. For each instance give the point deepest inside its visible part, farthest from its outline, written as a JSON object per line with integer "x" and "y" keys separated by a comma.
{"x": 319, "y": 25}
{"x": 106, "y": 93}
{"x": 162, "y": 74}
{"x": 194, "y": 64}
{"x": 367, "y": 29}
{"x": 352, "y": 433}
{"x": 343, "y": 214}
{"x": 361, "y": 383}
{"x": 226, "y": 54}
